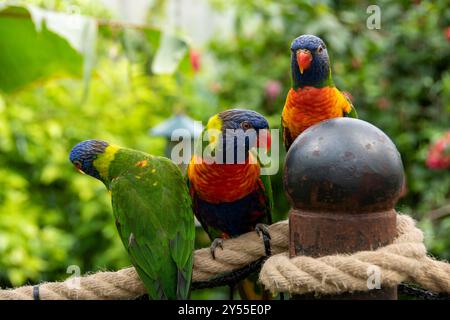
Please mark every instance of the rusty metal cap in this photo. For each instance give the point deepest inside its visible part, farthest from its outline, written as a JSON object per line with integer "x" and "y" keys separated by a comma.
{"x": 343, "y": 165}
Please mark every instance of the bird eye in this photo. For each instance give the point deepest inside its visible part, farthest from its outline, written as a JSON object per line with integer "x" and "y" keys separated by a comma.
{"x": 319, "y": 49}
{"x": 77, "y": 164}
{"x": 245, "y": 125}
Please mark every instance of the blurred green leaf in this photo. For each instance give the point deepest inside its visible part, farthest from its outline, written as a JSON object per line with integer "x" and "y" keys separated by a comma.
{"x": 171, "y": 51}
{"x": 51, "y": 45}
{"x": 52, "y": 217}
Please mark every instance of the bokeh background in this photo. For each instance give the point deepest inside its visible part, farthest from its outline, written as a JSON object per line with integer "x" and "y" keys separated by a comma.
{"x": 113, "y": 69}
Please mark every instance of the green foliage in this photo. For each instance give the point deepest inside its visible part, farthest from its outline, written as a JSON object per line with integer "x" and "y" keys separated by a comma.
{"x": 52, "y": 217}
{"x": 52, "y": 55}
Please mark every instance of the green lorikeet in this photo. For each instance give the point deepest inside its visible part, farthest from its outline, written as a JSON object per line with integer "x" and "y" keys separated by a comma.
{"x": 152, "y": 210}
{"x": 230, "y": 196}
{"x": 313, "y": 96}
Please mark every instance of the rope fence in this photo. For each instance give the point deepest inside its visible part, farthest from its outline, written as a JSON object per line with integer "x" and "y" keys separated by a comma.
{"x": 405, "y": 260}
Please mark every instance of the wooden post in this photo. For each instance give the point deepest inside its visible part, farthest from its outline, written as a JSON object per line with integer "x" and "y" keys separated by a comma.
{"x": 343, "y": 178}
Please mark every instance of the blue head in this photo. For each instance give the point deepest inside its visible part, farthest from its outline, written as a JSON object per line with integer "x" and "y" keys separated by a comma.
{"x": 84, "y": 153}
{"x": 242, "y": 119}
{"x": 310, "y": 64}
{"x": 241, "y": 131}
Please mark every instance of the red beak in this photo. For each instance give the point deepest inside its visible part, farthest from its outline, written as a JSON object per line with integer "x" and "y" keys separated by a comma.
{"x": 264, "y": 139}
{"x": 304, "y": 59}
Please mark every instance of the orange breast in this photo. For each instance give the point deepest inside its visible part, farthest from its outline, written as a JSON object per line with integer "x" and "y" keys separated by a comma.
{"x": 218, "y": 183}
{"x": 308, "y": 106}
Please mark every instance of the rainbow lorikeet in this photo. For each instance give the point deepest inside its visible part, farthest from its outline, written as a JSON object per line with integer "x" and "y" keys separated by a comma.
{"x": 152, "y": 210}
{"x": 313, "y": 96}
{"x": 232, "y": 197}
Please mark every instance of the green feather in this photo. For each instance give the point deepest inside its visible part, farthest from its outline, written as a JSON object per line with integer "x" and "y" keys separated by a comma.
{"x": 352, "y": 113}
{"x": 152, "y": 208}
{"x": 267, "y": 185}
{"x": 269, "y": 197}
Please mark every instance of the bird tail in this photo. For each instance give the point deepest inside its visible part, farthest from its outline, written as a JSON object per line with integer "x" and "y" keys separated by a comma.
{"x": 184, "y": 278}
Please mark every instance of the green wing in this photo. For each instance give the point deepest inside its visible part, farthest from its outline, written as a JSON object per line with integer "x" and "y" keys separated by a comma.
{"x": 267, "y": 190}
{"x": 352, "y": 113}
{"x": 269, "y": 197}
{"x": 154, "y": 218}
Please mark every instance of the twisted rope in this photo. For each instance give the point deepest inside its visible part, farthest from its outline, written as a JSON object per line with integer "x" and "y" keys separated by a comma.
{"x": 404, "y": 260}
{"x": 123, "y": 284}
{"x": 237, "y": 254}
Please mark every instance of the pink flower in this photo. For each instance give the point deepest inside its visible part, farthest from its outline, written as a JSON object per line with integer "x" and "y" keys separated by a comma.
{"x": 273, "y": 89}
{"x": 439, "y": 153}
{"x": 447, "y": 33}
{"x": 194, "y": 57}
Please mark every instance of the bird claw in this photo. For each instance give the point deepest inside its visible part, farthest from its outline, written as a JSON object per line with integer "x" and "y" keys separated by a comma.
{"x": 262, "y": 229}
{"x": 217, "y": 242}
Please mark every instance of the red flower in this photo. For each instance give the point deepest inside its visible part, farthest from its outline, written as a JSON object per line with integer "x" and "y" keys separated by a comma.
{"x": 273, "y": 89}
{"x": 194, "y": 57}
{"x": 447, "y": 33}
{"x": 439, "y": 153}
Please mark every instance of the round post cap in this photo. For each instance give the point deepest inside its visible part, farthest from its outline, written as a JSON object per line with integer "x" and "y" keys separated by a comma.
{"x": 343, "y": 165}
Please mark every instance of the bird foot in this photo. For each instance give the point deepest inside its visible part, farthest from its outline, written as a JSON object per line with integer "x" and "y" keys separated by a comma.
{"x": 217, "y": 242}
{"x": 262, "y": 229}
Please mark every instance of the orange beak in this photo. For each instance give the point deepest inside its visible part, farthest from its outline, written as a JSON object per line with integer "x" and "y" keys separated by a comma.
{"x": 304, "y": 59}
